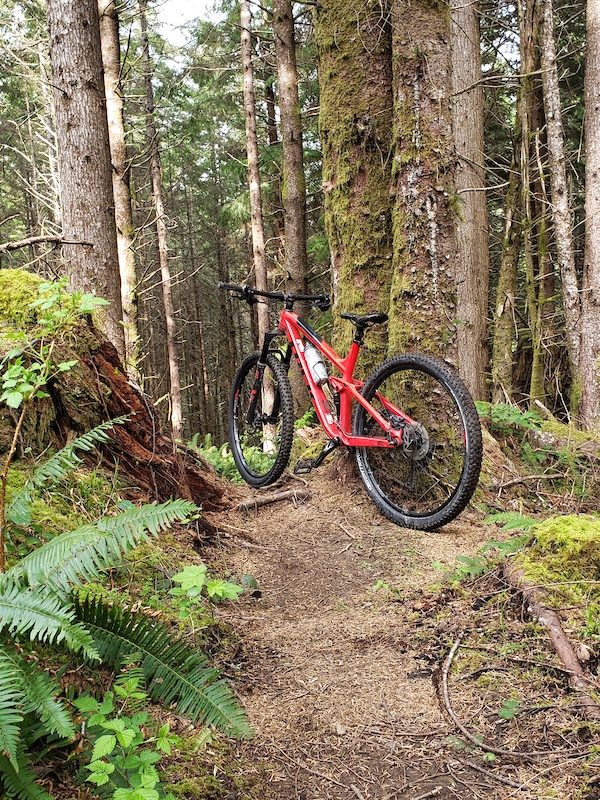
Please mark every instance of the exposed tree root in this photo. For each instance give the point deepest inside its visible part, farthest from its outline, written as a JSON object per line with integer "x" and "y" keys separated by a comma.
{"x": 98, "y": 389}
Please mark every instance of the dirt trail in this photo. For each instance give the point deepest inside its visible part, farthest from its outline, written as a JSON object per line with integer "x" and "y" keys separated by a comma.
{"x": 336, "y": 673}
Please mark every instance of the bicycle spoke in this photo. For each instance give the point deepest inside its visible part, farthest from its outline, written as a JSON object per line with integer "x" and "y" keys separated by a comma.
{"x": 428, "y": 479}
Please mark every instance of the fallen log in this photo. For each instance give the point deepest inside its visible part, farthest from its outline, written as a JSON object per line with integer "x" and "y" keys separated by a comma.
{"x": 562, "y": 646}
{"x": 275, "y": 497}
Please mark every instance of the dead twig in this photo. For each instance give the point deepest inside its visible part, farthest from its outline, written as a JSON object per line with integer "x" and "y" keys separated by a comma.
{"x": 306, "y": 768}
{"x": 545, "y": 476}
{"x": 493, "y": 775}
{"x": 431, "y": 793}
{"x": 473, "y": 739}
{"x": 267, "y": 499}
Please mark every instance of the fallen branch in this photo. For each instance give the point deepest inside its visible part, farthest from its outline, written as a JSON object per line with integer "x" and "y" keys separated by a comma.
{"x": 267, "y": 499}
{"x": 562, "y": 646}
{"x": 7, "y": 247}
{"x": 494, "y": 775}
{"x": 471, "y": 737}
{"x": 546, "y": 476}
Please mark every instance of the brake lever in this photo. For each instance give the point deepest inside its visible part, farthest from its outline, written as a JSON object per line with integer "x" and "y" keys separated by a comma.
{"x": 323, "y": 305}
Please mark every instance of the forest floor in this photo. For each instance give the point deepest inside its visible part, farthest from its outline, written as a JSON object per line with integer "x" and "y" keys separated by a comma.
{"x": 343, "y": 653}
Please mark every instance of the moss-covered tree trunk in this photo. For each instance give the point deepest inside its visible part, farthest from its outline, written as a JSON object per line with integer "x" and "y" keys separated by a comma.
{"x": 355, "y": 71}
{"x": 423, "y": 291}
{"x": 473, "y": 264}
{"x": 86, "y": 193}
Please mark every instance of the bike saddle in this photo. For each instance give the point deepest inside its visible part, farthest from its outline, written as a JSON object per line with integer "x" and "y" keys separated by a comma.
{"x": 365, "y": 319}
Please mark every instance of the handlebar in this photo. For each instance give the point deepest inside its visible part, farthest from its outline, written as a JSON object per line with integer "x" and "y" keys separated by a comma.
{"x": 249, "y": 294}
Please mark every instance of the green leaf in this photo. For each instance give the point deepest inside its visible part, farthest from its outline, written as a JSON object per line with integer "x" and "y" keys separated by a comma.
{"x": 223, "y": 590}
{"x": 101, "y": 767}
{"x": 41, "y": 615}
{"x": 175, "y": 672}
{"x": 78, "y": 556}
{"x": 103, "y": 746}
{"x": 86, "y": 703}
{"x": 11, "y": 696}
{"x": 12, "y": 399}
{"x": 21, "y": 783}
{"x": 191, "y": 577}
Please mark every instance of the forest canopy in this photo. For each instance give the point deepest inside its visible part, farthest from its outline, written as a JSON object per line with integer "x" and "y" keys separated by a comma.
{"x": 403, "y": 160}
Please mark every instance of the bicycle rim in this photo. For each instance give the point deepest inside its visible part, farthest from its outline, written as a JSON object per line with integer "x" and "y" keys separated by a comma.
{"x": 430, "y": 478}
{"x": 261, "y": 445}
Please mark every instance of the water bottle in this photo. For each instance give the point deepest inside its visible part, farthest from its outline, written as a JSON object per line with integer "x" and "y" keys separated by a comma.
{"x": 315, "y": 364}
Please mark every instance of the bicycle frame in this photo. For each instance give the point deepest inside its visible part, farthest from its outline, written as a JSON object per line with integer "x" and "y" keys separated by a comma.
{"x": 345, "y": 386}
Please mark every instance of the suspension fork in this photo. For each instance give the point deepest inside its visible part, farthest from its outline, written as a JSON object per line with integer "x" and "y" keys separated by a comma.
{"x": 258, "y": 379}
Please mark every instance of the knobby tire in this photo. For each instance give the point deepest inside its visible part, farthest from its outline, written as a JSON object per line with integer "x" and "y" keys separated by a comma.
{"x": 429, "y": 480}
{"x": 261, "y": 451}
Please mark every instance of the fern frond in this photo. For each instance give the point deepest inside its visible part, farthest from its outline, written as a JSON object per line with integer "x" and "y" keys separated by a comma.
{"x": 66, "y": 460}
{"x": 10, "y": 711}
{"x": 56, "y": 467}
{"x": 17, "y": 511}
{"x": 176, "y": 672}
{"x": 42, "y": 615}
{"x": 19, "y": 783}
{"x": 78, "y": 556}
{"x": 39, "y": 695}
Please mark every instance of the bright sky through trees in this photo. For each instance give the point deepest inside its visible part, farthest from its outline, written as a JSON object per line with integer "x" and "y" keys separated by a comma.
{"x": 172, "y": 14}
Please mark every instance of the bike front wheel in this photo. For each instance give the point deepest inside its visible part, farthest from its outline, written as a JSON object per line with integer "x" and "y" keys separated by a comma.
{"x": 427, "y": 480}
{"x": 261, "y": 433}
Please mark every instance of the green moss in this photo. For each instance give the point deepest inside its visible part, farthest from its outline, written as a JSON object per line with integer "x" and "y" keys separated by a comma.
{"x": 18, "y": 289}
{"x": 565, "y": 560}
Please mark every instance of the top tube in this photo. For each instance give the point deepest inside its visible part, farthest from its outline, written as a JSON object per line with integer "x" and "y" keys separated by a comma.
{"x": 248, "y": 293}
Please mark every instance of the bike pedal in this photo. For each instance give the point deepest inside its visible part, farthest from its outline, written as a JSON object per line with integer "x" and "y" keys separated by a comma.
{"x": 303, "y": 467}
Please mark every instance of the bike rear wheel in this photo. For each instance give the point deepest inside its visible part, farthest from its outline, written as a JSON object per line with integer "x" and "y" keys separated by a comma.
{"x": 429, "y": 479}
{"x": 261, "y": 445}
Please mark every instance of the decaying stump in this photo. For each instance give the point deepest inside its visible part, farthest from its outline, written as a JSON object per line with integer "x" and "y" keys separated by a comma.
{"x": 94, "y": 390}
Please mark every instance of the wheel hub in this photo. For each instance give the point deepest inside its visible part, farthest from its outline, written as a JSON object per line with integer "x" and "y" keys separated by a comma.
{"x": 415, "y": 441}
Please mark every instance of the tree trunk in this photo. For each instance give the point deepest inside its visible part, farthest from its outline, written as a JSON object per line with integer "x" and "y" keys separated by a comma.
{"x": 590, "y": 322}
{"x": 422, "y": 303}
{"x": 258, "y": 234}
{"x": 473, "y": 265}
{"x": 534, "y": 254}
{"x": 257, "y": 226}
{"x": 90, "y": 251}
{"x": 504, "y": 323}
{"x": 111, "y": 59}
{"x": 176, "y": 414}
{"x": 354, "y": 42}
{"x": 294, "y": 184}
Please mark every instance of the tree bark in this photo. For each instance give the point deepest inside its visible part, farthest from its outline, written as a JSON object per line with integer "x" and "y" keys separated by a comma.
{"x": 84, "y": 156}
{"x": 111, "y": 60}
{"x": 354, "y": 44}
{"x": 590, "y": 323}
{"x": 422, "y": 303}
{"x": 473, "y": 265}
{"x": 176, "y": 414}
{"x": 294, "y": 183}
{"x": 504, "y": 322}
{"x": 258, "y": 233}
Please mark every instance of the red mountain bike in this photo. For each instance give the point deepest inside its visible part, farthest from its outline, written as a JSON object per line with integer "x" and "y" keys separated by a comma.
{"x": 413, "y": 424}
